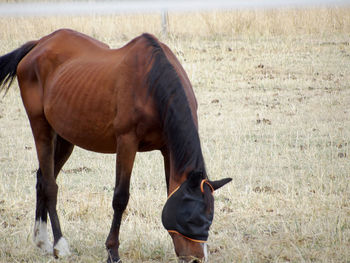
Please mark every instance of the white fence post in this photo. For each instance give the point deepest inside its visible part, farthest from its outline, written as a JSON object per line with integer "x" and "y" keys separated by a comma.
{"x": 165, "y": 23}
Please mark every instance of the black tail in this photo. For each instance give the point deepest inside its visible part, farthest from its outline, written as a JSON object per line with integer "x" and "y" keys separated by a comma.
{"x": 9, "y": 62}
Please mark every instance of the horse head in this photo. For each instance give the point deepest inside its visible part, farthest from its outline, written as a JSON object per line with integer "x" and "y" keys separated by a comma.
{"x": 188, "y": 215}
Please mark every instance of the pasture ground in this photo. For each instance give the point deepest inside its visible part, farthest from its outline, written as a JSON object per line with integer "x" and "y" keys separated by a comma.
{"x": 274, "y": 110}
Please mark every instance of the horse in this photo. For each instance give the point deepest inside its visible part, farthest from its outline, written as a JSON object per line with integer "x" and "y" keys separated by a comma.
{"x": 78, "y": 91}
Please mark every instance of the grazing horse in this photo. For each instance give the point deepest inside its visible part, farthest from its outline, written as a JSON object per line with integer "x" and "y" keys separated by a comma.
{"x": 78, "y": 91}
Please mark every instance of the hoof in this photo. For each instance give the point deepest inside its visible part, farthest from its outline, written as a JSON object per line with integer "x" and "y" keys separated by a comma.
{"x": 41, "y": 238}
{"x": 45, "y": 247}
{"x": 113, "y": 259}
{"x": 61, "y": 249}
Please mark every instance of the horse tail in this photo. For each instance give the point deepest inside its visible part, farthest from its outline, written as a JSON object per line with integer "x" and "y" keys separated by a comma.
{"x": 9, "y": 63}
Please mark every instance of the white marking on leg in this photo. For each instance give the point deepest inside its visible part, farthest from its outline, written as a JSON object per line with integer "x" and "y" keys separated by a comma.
{"x": 41, "y": 238}
{"x": 61, "y": 249}
{"x": 205, "y": 251}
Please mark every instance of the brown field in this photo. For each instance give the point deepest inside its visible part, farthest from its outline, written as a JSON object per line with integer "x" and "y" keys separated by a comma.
{"x": 274, "y": 110}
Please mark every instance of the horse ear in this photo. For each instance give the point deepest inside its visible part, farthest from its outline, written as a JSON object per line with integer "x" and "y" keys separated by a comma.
{"x": 194, "y": 179}
{"x": 220, "y": 183}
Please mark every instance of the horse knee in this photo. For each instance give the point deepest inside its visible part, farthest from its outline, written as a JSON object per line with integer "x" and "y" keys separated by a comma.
{"x": 120, "y": 201}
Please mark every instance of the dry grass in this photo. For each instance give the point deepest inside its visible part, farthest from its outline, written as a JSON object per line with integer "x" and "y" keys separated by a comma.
{"x": 274, "y": 108}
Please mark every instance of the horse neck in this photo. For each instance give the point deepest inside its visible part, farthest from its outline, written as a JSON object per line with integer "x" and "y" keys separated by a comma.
{"x": 175, "y": 102}
{"x": 178, "y": 176}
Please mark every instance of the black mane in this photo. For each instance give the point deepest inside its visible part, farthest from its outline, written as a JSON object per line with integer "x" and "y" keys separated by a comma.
{"x": 178, "y": 125}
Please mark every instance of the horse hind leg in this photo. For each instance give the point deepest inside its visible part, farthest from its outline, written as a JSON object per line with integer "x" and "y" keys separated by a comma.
{"x": 40, "y": 228}
{"x": 53, "y": 152}
{"x": 63, "y": 150}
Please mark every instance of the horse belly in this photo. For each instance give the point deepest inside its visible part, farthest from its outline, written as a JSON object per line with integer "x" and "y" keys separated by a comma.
{"x": 82, "y": 114}
{"x": 87, "y": 133}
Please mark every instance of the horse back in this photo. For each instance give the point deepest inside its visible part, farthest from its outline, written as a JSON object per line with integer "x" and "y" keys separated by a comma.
{"x": 90, "y": 94}
{"x": 57, "y": 48}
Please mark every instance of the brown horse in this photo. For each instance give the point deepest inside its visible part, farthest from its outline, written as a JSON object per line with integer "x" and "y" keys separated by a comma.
{"x": 78, "y": 91}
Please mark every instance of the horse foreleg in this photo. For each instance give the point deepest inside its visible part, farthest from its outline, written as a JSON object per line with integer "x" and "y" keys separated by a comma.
{"x": 126, "y": 151}
{"x": 46, "y": 190}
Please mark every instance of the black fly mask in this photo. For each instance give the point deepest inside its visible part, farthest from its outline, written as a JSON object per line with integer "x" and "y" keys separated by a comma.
{"x": 188, "y": 211}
